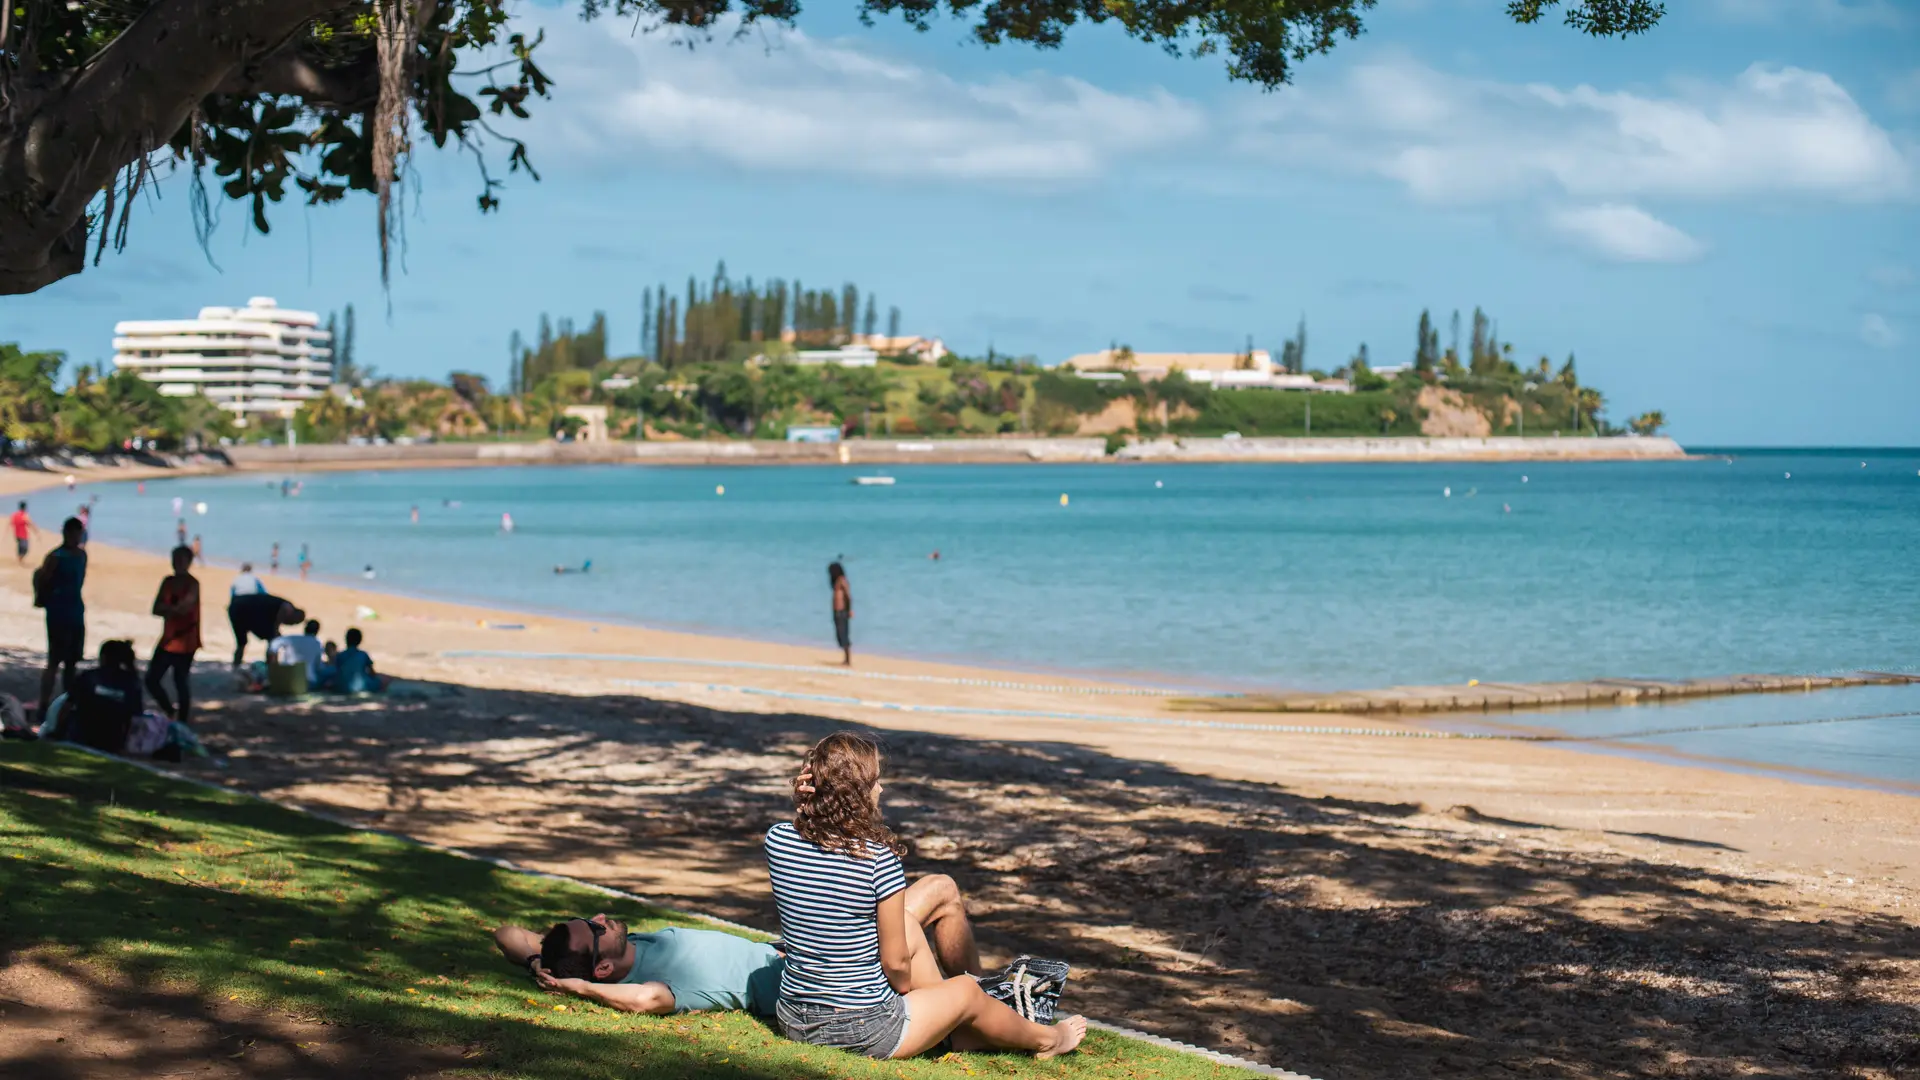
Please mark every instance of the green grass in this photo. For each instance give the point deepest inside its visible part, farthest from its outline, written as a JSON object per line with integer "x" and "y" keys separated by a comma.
{"x": 173, "y": 884}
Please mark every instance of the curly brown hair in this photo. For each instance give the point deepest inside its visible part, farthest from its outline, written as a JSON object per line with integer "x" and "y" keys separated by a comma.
{"x": 839, "y": 815}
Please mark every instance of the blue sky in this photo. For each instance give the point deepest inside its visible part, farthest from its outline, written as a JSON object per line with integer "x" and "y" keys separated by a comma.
{"x": 1719, "y": 219}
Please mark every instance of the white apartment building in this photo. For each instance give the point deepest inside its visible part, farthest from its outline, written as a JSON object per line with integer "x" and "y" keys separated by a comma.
{"x": 261, "y": 360}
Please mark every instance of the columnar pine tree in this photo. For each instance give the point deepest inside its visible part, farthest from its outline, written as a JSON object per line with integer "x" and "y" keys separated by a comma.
{"x": 893, "y": 322}
{"x": 871, "y": 321}
{"x": 646, "y": 321}
{"x": 1426, "y": 353}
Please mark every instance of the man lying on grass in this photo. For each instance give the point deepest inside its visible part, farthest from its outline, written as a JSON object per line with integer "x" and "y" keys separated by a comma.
{"x": 681, "y": 970}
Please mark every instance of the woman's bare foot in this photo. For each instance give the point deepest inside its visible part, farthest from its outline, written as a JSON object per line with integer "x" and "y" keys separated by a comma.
{"x": 1067, "y": 1034}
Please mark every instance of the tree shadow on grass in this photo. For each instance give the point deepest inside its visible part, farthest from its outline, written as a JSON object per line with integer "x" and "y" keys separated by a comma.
{"x": 160, "y": 910}
{"x": 1339, "y": 937}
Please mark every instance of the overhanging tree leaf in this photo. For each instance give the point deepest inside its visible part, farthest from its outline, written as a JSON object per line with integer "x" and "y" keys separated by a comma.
{"x": 332, "y": 94}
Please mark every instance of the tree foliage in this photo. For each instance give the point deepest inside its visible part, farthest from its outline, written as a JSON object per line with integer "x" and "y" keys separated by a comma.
{"x": 314, "y": 99}
{"x": 99, "y": 411}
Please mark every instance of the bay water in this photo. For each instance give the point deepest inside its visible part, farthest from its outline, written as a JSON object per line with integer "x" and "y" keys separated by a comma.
{"x": 1321, "y": 576}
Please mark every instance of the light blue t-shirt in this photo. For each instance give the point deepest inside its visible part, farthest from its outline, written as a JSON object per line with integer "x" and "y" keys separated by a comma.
{"x": 708, "y": 969}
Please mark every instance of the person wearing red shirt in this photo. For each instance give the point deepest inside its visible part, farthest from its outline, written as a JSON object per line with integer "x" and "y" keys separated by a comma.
{"x": 178, "y": 602}
{"x": 22, "y": 530}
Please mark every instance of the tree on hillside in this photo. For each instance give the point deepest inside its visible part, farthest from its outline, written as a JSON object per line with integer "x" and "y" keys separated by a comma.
{"x": 1648, "y": 423}
{"x": 893, "y": 322}
{"x": 344, "y": 368}
{"x": 1426, "y": 353}
{"x": 317, "y": 98}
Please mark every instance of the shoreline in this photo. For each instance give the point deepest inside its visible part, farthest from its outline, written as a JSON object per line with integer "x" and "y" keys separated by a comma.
{"x": 1790, "y": 823}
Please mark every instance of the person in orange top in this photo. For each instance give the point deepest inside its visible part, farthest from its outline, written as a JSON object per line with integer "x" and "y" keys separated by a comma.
{"x": 22, "y": 530}
{"x": 178, "y": 602}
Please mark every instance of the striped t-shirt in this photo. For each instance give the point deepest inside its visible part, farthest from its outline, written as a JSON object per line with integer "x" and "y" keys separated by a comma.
{"x": 826, "y": 902}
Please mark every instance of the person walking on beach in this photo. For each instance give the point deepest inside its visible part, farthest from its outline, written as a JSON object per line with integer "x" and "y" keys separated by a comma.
{"x": 198, "y": 555}
{"x": 273, "y": 559}
{"x": 22, "y": 531}
{"x": 838, "y": 886}
{"x": 177, "y": 602}
{"x": 842, "y": 611}
{"x": 306, "y": 564}
{"x": 57, "y": 587}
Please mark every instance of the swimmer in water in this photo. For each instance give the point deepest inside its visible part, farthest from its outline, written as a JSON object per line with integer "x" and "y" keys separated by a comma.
{"x": 584, "y": 568}
{"x": 506, "y": 522}
{"x": 368, "y": 572}
{"x": 935, "y": 556}
{"x": 416, "y": 515}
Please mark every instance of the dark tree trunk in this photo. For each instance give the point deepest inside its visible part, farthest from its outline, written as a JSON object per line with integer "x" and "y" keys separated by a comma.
{"x": 65, "y": 135}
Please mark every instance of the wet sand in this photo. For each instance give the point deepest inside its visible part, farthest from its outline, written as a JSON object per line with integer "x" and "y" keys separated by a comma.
{"x": 1346, "y": 906}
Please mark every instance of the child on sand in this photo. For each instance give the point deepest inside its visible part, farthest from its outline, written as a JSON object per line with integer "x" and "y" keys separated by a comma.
{"x": 353, "y": 669}
{"x": 850, "y": 979}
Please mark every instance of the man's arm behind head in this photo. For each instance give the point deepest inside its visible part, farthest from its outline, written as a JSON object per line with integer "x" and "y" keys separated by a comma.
{"x": 521, "y": 947}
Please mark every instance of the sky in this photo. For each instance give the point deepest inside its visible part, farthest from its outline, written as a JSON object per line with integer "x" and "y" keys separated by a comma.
{"x": 1721, "y": 219}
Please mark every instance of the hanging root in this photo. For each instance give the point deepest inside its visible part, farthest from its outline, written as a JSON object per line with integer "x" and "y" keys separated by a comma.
{"x": 393, "y": 52}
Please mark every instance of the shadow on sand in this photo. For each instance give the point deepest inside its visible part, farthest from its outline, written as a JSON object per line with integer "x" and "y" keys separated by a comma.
{"x": 1346, "y": 939}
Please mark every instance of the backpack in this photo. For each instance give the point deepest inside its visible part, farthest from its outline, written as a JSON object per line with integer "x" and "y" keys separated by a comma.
{"x": 1030, "y": 986}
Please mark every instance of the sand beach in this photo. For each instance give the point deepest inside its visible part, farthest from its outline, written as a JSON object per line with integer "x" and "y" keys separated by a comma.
{"x": 1346, "y": 906}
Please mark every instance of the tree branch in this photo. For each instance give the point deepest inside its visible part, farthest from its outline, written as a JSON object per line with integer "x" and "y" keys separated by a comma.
{"x": 284, "y": 71}
{"x": 64, "y": 136}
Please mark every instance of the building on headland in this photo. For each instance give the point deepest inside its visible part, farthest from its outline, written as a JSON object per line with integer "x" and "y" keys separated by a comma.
{"x": 923, "y": 350}
{"x": 844, "y": 356}
{"x": 261, "y": 360}
{"x": 1250, "y": 370}
{"x": 1255, "y": 366}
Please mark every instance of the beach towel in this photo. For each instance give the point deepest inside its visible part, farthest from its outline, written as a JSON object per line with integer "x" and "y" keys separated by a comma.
{"x": 1030, "y": 986}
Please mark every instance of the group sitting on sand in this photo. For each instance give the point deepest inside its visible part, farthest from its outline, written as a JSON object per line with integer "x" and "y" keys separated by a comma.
{"x": 867, "y": 963}
{"x": 105, "y": 707}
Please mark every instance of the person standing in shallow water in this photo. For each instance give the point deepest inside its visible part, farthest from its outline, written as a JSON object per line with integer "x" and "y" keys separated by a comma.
{"x": 842, "y": 611}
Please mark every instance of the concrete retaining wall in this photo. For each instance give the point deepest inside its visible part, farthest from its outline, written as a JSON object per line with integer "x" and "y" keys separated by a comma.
{"x": 971, "y": 451}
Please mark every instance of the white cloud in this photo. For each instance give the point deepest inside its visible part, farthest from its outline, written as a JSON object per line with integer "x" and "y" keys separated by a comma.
{"x": 1624, "y": 233}
{"x": 1773, "y": 130}
{"x": 781, "y": 100}
{"x": 1876, "y": 331}
{"x": 1848, "y": 14}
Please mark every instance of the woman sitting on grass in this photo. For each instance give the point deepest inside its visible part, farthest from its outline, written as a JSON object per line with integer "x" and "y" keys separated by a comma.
{"x": 849, "y": 981}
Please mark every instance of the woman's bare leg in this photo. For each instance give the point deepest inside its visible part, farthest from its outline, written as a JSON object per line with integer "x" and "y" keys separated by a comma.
{"x": 923, "y": 965}
{"x": 959, "y": 1007}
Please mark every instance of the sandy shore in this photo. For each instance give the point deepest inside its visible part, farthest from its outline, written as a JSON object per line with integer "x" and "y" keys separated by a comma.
{"x": 1349, "y": 906}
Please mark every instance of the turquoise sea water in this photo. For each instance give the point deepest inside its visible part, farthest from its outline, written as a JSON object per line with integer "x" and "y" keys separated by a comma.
{"x": 1316, "y": 576}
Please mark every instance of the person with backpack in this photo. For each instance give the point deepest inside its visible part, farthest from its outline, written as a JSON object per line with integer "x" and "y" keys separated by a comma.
{"x": 57, "y": 588}
{"x": 104, "y": 700}
{"x": 177, "y": 602}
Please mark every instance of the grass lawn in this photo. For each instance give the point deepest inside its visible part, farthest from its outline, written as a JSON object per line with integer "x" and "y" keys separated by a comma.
{"x": 171, "y": 884}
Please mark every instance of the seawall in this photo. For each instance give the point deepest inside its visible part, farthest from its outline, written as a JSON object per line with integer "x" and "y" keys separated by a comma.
{"x": 955, "y": 451}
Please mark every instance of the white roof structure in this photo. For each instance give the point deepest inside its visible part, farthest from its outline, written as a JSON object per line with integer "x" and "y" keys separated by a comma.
{"x": 258, "y": 360}
{"x": 1155, "y": 364}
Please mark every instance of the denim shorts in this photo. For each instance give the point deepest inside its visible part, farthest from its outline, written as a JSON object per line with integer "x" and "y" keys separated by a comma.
{"x": 876, "y": 1031}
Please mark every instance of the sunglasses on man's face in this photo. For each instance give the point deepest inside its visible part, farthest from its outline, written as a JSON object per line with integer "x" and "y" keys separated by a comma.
{"x": 596, "y": 930}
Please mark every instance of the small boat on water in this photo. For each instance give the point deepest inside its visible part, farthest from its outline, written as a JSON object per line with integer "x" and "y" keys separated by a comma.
{"x": 874, "y": 481}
